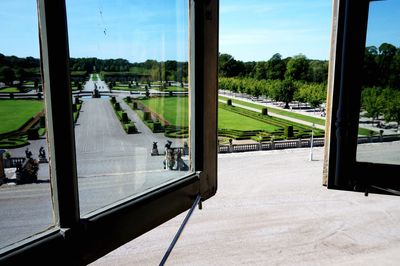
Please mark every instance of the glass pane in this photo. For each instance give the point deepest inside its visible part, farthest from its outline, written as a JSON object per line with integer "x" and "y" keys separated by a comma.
{"x": 273, "y": 72}
{"x": 25, "y": 195}
{"x": 129, "y": 70}
{"x": 380, "y": 99}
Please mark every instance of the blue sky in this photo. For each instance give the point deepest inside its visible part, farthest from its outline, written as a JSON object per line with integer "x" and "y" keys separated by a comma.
{"x": 250, "y": 30}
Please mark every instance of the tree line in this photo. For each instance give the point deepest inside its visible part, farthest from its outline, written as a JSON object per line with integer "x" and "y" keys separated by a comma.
{"x": 286, "y": 90}
{"x": 305, "y": 80}
{"x": 285, "y": 80}
{"x": 298, "y": 67}
{"x": 15, "y": 68}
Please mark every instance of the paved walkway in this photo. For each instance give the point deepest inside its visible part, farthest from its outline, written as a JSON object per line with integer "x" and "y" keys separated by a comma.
{"x": 271, "y": 209}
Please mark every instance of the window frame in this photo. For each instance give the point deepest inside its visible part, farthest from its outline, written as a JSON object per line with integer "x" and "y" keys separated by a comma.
{"x": 81, "y": 240}
{"x": 341, "y": 169}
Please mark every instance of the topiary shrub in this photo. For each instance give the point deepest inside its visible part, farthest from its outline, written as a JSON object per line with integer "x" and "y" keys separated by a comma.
{"x": 229, "y": 102}
{"x": 74, "y": 109}
{"x": 134, "y": 106}
{"x": 157, "y": 126}
{"x": 113, "y": 100}
{"x": 42, "y": 122}
{"x": 264, "y": 111}
{"x": 171, "y": 93}
{"x": 128, "y": 99}
{"x": 288, "y": 133}
{"x": 146, "y": 116}
{"x": 117, "y": 107}
{"x": 130, "y": 128}
{"x": 124, "y": 117}
{"x": 33, "y": 133}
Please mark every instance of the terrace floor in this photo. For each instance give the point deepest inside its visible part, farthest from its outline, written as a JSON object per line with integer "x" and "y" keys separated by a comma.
{"x": 271, "y": 209}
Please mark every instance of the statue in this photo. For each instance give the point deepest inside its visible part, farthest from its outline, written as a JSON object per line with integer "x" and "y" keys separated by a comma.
{"x": 42, "y": 155}
{"x": 27, "y": 173}
{"x": 154, "y": 150}
{"x": 169, "y": 160}
{"x": 95, "y": 93}
{"x": 28, "y": 153}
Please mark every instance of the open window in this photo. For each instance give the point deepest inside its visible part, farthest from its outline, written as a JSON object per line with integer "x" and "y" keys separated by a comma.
{"x": 346, "y": 165}
{"x": 82, "y": 237}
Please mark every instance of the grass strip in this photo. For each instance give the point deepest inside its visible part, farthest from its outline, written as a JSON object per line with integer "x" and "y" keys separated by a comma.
{"x": 14, "y": 113}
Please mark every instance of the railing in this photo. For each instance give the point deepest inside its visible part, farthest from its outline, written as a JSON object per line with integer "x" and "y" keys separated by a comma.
{"x": 374, "y": 139}
{"x": 270, "y": 145}
{"x": 13, "y": 162}
{"x": 20, "y": 95}
{"x": 300, "y": 143}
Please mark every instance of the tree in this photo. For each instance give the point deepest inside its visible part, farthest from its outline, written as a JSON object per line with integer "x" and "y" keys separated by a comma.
{"x": 283, "y": 91}
{"x": 7, "y": 75}
{"x": 318, "y": 71}
{"x": 260, "y": 70}
{"x": 297, "y": 68}
{"x": 249, "y": 69}
{"x": 312, "y": 93}
{"x": 392, "y": 107}
{"x": 229, "y": 67}
{"x": 385, "y": 58}
{"x": 372, "y": 101}
{"x": 21, "y": 75}
{"x": 276, "y": 67}
{"x": 370, "y": 66}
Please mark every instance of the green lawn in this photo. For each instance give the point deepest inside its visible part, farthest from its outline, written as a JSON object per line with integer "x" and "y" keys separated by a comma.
{"x": 14, "y": 113}
{"x": 9, "y": 89}
{"x": 230, "y": 120}
{"x": 306, "y": 118}
{"x": 173, "y": 109}
{"x": 175, "y": 89}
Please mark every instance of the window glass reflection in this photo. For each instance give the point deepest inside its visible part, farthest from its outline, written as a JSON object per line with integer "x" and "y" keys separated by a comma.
{"x": 129, "y": 77}
{"x": 380, "y": 99}
{"x": 25, "y": 195}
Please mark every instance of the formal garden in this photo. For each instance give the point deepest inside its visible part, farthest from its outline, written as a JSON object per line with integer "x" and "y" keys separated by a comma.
{"x": 21, "y": 120}
{"x": 170, "y": 116}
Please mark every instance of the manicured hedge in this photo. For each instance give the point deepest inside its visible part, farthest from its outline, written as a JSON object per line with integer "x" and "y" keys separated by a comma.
{"x": 33, "y": 133}
{"x": 14, "y": 142}
{"x": 264, "y": 111}
{"x": 171, "y": 131}
{"x": 127, "y": 125}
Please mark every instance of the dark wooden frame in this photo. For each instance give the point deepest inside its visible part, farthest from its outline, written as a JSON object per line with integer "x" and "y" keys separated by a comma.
{"x": 80, "y": 240}
{"x": 342, "y": 170}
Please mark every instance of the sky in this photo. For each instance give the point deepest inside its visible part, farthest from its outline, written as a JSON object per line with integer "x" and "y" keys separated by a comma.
{"x": 250, "y": 30}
